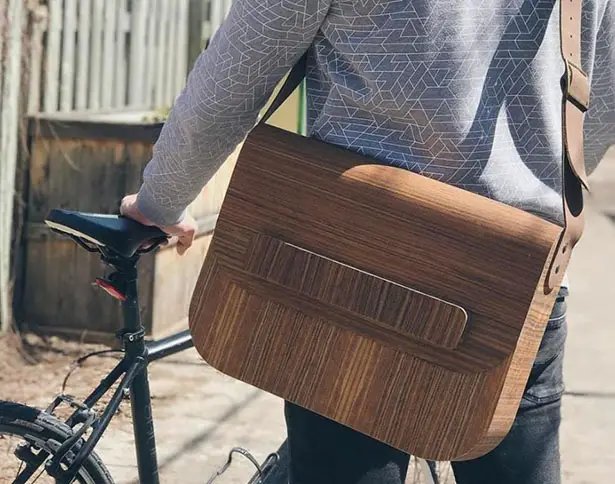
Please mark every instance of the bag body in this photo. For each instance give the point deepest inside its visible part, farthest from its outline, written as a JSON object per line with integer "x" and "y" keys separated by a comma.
{"x": 403, "y": 307}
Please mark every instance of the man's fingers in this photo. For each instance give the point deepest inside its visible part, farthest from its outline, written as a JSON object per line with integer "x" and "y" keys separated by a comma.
{"x": 182, "y": 248}
{"x": 128, "y": 208}
{"x": 182, "y": 233}
{"x": 184, "y": 242}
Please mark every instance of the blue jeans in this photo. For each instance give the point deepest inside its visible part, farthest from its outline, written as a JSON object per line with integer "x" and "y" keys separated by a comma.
{"x": 325, "y": 452}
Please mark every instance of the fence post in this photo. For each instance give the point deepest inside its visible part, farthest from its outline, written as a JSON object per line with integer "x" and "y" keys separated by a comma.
{"x": 9, "y": 103}
{"x": 196, "y": 11}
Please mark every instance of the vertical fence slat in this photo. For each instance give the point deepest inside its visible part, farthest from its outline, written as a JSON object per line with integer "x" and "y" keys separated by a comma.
{"x": 217, "y": 14}
{"x": 39, "y": 25}
{"x": 207, "y": 26}
{"x": 196, "y": 30}
{"x": 151, "y": 53}
{"x": 138, "y": 18}
{"x": 168, "y": 53}
{"x": 83, "y": 54}
{"x": 68, "y": 56}
{"x": 172, "y": 54}
{"x": 182, "y": 47}
{"x": 3, "y": 15}
{"x": 9, "y": 119}
{"x": 122, "y": 28}
{"x": 52, "y": 56}
{"x": 161, "y": 60}
{"x": 108, "y": 48}
{"x": 96, "y": 54}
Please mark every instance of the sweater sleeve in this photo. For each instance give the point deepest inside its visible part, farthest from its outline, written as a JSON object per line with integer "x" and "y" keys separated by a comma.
{"x": 232, "y": 80}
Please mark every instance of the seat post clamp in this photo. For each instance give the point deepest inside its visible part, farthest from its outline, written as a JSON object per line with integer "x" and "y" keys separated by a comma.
{"x": 127, "y": 336}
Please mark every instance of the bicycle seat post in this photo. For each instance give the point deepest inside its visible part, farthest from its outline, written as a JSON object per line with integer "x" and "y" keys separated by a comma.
{"x": 124, "y": 281}
{"x": 132, "y": 318}
{"x": 121, "y": 283}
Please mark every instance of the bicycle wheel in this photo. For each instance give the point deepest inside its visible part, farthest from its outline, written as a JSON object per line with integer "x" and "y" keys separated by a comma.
{"x": 26, "y": 425}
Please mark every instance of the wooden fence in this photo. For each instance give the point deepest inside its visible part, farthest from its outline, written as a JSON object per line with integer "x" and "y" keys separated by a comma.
{"x": 88, "y": 55}
{"x": 113, "y": 54}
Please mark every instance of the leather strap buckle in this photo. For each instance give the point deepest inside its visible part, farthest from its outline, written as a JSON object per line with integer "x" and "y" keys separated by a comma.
{"x": 577, "y": 86}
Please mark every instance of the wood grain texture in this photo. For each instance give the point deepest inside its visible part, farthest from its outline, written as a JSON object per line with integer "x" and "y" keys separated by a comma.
{"x": 90, "y": 176}
{"x": 362, "y": 294}
{"x": 436, "y": 394}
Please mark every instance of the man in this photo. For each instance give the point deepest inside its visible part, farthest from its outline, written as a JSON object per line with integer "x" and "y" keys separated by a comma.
{"x": 462, "y": 91}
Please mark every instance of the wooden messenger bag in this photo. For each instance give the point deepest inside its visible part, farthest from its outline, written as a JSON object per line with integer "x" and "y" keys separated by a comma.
{"x": 405, "y": 308}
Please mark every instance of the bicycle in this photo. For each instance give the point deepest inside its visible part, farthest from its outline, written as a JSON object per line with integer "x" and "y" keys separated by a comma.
{"x": 64, "y": 449}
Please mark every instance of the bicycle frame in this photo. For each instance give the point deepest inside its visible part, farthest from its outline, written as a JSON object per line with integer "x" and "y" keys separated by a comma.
{"x": 132, "y": 370}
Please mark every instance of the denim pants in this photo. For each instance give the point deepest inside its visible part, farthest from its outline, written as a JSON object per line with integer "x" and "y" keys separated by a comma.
{"x": 325, "y": 452}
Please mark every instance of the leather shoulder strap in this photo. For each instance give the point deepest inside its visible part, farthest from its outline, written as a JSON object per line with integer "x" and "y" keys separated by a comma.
{"x": 575, "y": 101}
{"x": 293, "y": 80}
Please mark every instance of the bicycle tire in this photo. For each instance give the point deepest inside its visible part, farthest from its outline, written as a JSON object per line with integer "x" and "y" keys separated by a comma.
{"x": 21, "y": 421}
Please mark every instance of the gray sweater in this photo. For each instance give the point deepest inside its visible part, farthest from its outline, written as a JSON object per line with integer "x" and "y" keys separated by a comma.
{"x": 463, "y": 91}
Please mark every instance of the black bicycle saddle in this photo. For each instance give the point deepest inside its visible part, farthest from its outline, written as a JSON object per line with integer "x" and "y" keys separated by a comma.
{"x": 120, "y": 234}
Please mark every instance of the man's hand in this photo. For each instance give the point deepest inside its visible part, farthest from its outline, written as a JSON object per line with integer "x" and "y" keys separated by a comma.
{"x": 183, "y": 232}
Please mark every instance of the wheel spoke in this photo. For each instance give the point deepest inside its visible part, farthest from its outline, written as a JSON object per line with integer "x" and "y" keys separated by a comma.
{"x": 39, "y": 475}
{"x": 19, "y": 470}
{"x": 27, "y": 473}
{"x": 31, "y": 466}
